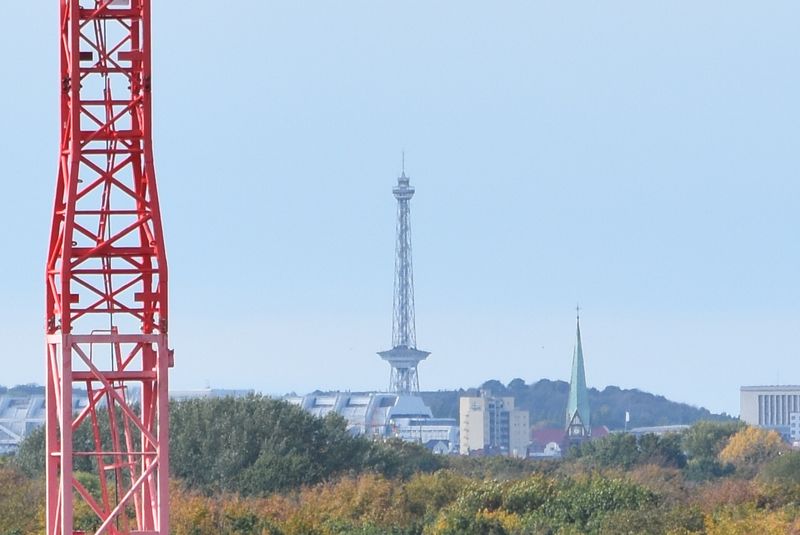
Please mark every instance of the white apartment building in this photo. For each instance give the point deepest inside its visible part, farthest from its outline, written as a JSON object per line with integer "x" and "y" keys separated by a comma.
{"x": 492, "y": 425}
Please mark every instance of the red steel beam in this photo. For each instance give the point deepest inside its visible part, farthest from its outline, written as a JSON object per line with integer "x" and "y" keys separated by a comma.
{"x": 106, "y": 280}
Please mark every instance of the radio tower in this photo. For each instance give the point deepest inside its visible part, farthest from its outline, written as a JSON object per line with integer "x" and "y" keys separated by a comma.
{"x": 404, "y": 355}
{"x": 106, "y": 281}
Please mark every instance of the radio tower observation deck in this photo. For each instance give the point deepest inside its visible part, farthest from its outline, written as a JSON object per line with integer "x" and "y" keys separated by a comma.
{"x": 404, "y": 355}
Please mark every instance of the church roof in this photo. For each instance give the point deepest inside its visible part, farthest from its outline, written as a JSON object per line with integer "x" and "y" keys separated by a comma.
{"x": 578, "y": 401}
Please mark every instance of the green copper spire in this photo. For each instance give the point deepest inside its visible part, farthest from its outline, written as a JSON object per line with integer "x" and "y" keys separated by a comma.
{"x": 578, "y": 415}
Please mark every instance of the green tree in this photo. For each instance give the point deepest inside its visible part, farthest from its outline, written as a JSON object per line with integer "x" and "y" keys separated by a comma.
{"x": 662, "y": 450}
{"x": 31, "y": 454}
{"x": 783, "y": 469}
{"x": 623, "y": 450}
{"x": 396, "y": 458}
{"x": 256, "y": 445}
{"x": 703, "y": 442}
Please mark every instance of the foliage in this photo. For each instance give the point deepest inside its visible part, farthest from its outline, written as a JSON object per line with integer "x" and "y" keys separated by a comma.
{"x": 366, "y": 505}
{"x": 706, "y": 439}
{"x": 621, "y": 450}
{"x": 667, "y": 520}
{"x": 31, "y": 454}
{"x": 427, "y": 494}
{"x": 750, "y": 520}
{"x": 539, "y": 504}
{"x": 256, "y": 466}
{"x": 783, "y": 469}
{"x": 253, "y": 446}
{"x": 649, "y": 499}
{"x": 615, "y": 450}
{"x": 703, "y": 468}
{"x": 716, "y": 495}
{"x": 498, "y": 467}
{"x": 751, "y": 447}
{"x": 257, "y": 445}
{"x": 668, "y": 483}
{"x": 243, "y": 444}
{"x": 703, "y": 442}
{"x": 19, "y": 496}
{"x": 662, "y": 450}
{"x": 397, "y": 458}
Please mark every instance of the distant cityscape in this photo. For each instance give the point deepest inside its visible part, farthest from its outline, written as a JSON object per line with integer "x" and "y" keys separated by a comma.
{"x": 488, "y": 422}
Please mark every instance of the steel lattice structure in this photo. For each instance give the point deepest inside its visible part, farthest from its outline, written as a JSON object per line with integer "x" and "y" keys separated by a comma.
{"x": 106, "y": 280}
{"x": 404, "y": 355}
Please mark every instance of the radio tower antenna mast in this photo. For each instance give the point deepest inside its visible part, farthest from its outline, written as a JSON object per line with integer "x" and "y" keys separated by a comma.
{"x": 106, "y": 282}
{"x": 404, "y": 355}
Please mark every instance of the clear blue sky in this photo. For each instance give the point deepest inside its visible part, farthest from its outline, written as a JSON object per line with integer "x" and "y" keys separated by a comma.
{"x": 638, "y": 157}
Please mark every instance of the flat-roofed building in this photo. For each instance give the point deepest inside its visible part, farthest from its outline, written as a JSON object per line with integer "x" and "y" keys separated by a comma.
{"x": 492, "y": 425}
{"x": 773, "y": 407}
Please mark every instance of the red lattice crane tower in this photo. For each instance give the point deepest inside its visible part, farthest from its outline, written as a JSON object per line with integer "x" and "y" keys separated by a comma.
{"x": 106, "y": 283}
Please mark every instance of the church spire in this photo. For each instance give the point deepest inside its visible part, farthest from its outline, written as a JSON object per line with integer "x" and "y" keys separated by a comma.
{"x": 578, "y": 413}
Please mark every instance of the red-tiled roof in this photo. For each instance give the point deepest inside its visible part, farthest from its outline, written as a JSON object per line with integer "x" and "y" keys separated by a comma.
{"x": 547, "y": 435}
{"x": 542, "y": 437}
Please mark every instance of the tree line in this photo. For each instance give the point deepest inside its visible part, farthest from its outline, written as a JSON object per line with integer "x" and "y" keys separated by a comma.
{"x": 264, "y": 467}
{"x": 253, "y": 446}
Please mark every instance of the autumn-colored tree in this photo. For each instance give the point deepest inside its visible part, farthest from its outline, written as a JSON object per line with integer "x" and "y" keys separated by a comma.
{"x": 540, "y": 504}
{"x": 750, "y": 521}
{"x": 192, "y": 513}
{"x": 752, "y": 446}
{"x": 21, "y": 502}
{"x": 427, "y": 494}
{"x": 702, "y": 443}
{"x": 727, "y": 492}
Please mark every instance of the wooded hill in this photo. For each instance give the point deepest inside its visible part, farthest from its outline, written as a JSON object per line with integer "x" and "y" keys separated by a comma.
{"x": 546, "y": 401}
